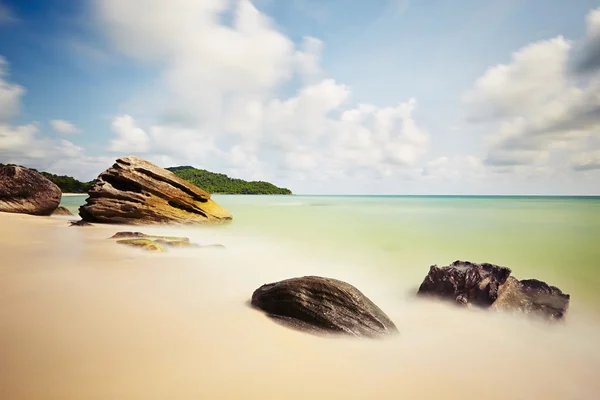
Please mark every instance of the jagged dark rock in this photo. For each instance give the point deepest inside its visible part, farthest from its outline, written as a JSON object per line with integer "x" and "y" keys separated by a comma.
{"x": 465, "y": 282}
{"x": 486, "y": 285}
{"x": 62, "y": 211}
{"x": 532, "y": 297}
{"x": 25, "y": 191}
{"x": 135, "y": 191}
{"x": 322, "y": 305}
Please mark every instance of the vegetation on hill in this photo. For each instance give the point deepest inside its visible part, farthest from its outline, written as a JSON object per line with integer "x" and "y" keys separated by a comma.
{"x": 209, "y": 181}
{"x": 66, "y": 183}
{"x": 221, "y": 183}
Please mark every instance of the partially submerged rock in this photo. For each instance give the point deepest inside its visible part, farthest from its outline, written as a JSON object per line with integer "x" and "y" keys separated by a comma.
{"x": 62, "y": 211}
{"x": 487, "y": 285}
{"x": 135, "y": 191}
{"x": 132, "y": 235}
{"x": 80, "y": 223}
{"x": 322, "y": 305}
{"x": 168, "y": 241}
{"x": 177, "y": 243}
{"x": 26, "y": 191}
{"x": 146, "y": 244}
{"x": 532, "y": 297}
{"x": 465, "y": 282}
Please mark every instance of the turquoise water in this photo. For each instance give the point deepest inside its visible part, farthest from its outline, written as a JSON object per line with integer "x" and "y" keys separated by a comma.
{"x": 555, "y": 239}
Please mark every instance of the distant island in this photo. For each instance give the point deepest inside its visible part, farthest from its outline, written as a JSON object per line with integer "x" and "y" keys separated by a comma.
{"x": 222, "y": 184}
{"x": 210, "y": 181}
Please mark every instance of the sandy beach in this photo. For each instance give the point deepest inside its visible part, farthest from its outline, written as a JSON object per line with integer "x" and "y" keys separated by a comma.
{"x": 84, "y": 318}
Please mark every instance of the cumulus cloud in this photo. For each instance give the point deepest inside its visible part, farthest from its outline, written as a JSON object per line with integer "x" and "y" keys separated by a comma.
{"x": 129, "y": 137}
{"x": 586, "y": 161}
{"x": 539, "y": 112}
{"x": 223, "y": 83}
{"x": 587, "y": 54}
{"x": 10, "y": 94}
{"x": 63, "y": 127}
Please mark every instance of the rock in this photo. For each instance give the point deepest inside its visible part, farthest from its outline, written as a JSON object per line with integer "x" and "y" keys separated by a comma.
{"x": 135, "y": 191}
{"x": 26, "y": 191}
{"x": 465, "y": 282}
{"x": 487, "y": 285}
{"x": 176, "y": 243}
{"x": 62, "y": 211}
{"x": 140, "y": 235}
{"x": 80, "y": 223}
{"x": 128, "y": 235}
{"x": 322, "y": 305}
{"x": 145, "y": 244}
{"x": 531, "y": 296}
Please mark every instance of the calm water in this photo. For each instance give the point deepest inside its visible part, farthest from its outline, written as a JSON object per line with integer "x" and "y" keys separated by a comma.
{"x": 555, "y": 239}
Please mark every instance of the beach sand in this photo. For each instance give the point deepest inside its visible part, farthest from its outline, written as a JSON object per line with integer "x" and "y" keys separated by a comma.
{"x": 84, "y": 318}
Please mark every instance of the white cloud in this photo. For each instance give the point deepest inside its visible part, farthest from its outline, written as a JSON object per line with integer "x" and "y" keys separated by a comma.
{"x": 587, "y": 55}
{"x": 308, "y": 59}
{"x": 539, "y": 112}
{"x": 63, "y": 127}
{"x": 586, "y": 161}
{"x": 129, "y": 137}
{"x": 222, "y": 84}
{"x": 10, "y": 94}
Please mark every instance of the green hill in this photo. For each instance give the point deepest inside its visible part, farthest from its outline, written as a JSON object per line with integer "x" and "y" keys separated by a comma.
{"x": 222, "y": 184}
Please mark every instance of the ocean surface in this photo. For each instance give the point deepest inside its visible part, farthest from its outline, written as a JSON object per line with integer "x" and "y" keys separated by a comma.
{"x": 554, "y": 239}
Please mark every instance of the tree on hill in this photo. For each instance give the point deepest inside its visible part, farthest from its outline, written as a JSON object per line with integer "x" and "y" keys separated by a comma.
{"x": 220, "y": 183}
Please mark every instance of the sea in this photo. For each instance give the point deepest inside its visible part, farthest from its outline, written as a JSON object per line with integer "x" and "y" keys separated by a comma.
{"x": 554, "y": 239}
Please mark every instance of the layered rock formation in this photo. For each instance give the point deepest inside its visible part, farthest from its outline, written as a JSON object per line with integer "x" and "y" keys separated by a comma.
{"x": 322, "y": 305}
{"x": 25, "y": 191}
{"x": 135, "y": 191}
{"x": 489, "y": 285}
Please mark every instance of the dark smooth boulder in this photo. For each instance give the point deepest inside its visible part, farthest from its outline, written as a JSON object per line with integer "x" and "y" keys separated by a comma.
{"x": 26, "y": 191}
{"x": 489, "y": 285}
{"x": 135, "y": 191}
{"x": 322, "y": 305}
{"x": 62, "y": 211}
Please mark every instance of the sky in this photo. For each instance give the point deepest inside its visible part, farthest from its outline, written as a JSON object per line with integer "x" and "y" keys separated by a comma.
{"x": 320, "y": 96}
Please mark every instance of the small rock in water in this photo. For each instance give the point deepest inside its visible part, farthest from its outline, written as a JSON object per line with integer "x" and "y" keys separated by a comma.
{"x": 145, "y": 244}
{"x": 62, "y": 211}
{"x": 176, "y": 243}
{"x": 322, "y": 305}
{"x": 140, "y": 235}
{"x": 80, "y": 223}
{"x": 487, "y": 285}
{"x": 128, "y": 235}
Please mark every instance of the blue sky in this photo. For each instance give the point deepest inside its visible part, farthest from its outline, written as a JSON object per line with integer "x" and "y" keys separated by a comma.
{"x": 388, "y": 96}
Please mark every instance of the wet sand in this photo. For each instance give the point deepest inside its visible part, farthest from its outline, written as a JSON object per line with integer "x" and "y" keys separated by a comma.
{"x": 84, "y": 318}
